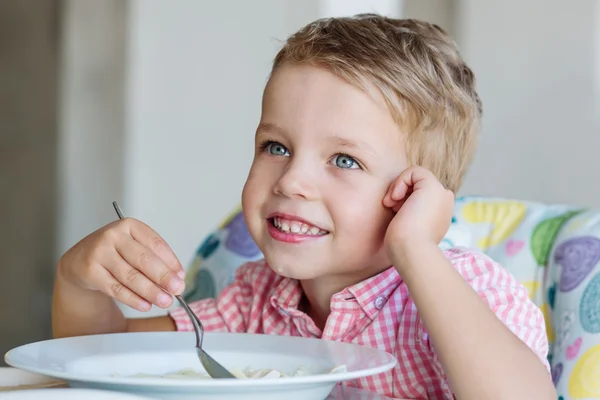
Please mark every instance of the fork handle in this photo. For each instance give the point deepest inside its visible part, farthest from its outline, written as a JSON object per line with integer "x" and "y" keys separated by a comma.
{"x": 198, "y": 328}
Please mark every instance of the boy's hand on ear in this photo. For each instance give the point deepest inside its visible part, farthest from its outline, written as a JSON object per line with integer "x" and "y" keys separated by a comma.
{"x": 423, "y": 210}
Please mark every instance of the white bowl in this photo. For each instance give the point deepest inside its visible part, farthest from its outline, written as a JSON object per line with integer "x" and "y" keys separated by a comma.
{"x": 93, "y": 361}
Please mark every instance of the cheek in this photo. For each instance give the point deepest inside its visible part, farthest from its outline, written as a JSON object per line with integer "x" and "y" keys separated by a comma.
{"x": 365, "y": 214}
{"x": 256, "y": 191}
{"x": 251, "y": 195}
{"x": 246, "y": 197}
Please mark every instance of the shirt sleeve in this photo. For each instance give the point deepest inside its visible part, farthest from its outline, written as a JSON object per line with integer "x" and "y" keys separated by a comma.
{"x": 506, "y": 297}
{"x": 228, "y": 312}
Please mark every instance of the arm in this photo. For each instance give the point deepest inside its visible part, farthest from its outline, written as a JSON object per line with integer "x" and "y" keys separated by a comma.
{"x": 468, "y": 336}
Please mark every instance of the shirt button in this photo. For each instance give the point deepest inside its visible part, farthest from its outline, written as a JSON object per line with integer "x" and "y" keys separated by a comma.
{"x": 379, "y": 302}
{"x": 284, "y": 311}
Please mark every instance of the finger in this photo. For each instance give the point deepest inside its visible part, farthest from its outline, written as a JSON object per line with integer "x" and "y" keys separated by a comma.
{"x": 401, "y": 189}
{"x": 387, "y": 198}
{"x": 391, "y": 196}
{"x": 146, "y": 261}
{"x": 120, "y": 292}
{"x": 397, "y": 191}
{"x": 387, "y": 202}
{"x": 412, "y": 179}
{"x": 398, "y": 205}
{"x": 149, "y": 238}
{"x": 137, "y": 282}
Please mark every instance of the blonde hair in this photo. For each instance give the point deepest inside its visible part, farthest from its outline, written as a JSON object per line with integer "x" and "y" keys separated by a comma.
{"x": 417, "y": 67}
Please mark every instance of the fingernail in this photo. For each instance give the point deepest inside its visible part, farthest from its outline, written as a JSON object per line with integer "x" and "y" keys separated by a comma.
{"x": 181, "y": 274}
{"x": 145, "y": 306}
{"x": 175, "y": 285}
{"x": 164, "y": 299}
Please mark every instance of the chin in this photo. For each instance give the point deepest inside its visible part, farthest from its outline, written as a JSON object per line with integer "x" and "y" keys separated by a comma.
{"x": 294, "y": 270}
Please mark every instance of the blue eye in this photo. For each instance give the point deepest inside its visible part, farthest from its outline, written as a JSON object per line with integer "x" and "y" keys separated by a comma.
{"x": 277, "y": 149}
{"x": 345, "y": 161}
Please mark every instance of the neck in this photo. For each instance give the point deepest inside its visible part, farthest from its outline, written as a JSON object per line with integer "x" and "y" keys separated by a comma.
{"x": 317, "y": 299}
{"x": 318, "y": 292}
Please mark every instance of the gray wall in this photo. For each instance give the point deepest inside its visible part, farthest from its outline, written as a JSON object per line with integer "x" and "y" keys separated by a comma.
{"x": 62, "y": 70}
{"x": 28, "y": 167}
{"x": 538, "y": 70}
{"x": 537, "y": 64}
{"x": 92, "y": 112}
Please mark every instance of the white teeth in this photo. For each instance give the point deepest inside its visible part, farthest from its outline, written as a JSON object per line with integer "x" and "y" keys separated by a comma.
{"x": 296, "y": 227}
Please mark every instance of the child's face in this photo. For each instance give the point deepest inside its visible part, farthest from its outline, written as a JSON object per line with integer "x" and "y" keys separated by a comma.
{"x": 326, "y": 154}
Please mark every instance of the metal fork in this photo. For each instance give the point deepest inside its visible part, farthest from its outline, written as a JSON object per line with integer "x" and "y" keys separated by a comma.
{"x": 212, "y": 367}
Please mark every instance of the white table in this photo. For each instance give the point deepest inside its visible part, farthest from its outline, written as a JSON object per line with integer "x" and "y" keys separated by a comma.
{"x": 12, "y": 379}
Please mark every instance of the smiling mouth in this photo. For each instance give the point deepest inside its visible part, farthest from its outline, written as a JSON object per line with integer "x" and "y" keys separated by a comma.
{"x": 296, "y": 227}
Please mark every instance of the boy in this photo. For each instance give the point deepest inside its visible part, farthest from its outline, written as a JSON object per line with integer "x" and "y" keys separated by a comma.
{"x": 367, "y": 127}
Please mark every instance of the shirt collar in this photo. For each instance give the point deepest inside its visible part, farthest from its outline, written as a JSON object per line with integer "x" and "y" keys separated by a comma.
{"x": 371, "y": 294}
{"x": 286, "y": 296}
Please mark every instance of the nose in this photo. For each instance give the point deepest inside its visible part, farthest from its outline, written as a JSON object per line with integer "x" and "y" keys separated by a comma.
{"x": 297, "y": 180}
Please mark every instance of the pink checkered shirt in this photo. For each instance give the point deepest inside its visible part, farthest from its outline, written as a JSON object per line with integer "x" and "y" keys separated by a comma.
{"x": 377, "y": 312}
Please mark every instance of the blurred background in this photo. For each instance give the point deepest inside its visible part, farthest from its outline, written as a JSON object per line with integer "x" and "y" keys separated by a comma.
{"x": 154, "y": 104}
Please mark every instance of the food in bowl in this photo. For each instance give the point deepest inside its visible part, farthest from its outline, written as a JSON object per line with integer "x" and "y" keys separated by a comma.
{"x": 248, "y": 373}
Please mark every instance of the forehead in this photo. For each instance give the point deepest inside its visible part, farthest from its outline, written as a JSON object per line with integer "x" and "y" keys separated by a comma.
{"x": 312, "y": 101}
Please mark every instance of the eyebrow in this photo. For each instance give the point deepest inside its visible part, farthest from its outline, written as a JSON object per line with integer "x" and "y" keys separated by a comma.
{"x": 351, "y": 144}
{"x": 267, "y": 127}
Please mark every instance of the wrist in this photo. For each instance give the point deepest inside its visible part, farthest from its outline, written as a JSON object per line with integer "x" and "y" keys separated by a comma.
{"x": 68, "y": 285}
{"x": 406, "y": 256}
{"x": 66, "y": 277}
